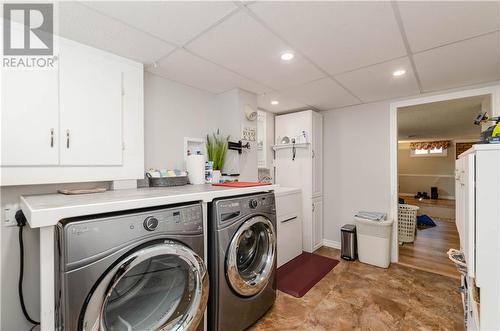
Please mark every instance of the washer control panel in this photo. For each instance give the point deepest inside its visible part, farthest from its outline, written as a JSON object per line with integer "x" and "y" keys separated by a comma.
{"x": 253, "y": 203}
{"x": 227, "y": 210}
{"x": 100, "y": 234}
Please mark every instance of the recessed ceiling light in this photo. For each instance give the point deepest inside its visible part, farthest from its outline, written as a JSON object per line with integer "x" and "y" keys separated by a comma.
{"x": 287, "y": 56}
{"x": 400, "y": 72}
{"x": 274, "y": 102}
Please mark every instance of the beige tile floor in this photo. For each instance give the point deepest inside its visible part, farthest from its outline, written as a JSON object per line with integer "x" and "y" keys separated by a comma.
{"x": 356, "y": 296}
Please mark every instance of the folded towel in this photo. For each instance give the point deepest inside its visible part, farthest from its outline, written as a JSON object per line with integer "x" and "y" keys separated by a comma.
{"x": 154, "y": 173}
{"x": 370, "y": 215}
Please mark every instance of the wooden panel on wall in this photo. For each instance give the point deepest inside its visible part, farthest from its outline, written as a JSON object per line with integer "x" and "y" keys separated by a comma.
{"x": 462, "y": 147}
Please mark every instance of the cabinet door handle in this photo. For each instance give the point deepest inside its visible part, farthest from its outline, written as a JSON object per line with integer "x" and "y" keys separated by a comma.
{"x": 67, "y": 138}
{"x": 313, "y": 154}
{"x": 51, "y": 138}
{"x": 289, "y": 219}
{"x": 314, "y": 206}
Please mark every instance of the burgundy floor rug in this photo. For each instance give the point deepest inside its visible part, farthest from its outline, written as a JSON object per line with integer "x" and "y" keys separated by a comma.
{"x": 299, "y": 275}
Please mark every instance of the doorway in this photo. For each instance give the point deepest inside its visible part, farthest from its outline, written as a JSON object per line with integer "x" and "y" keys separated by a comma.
{"x": 427, "y": 134}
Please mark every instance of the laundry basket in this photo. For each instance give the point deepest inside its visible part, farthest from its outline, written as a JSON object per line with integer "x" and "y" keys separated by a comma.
{"x": 407, "y": 221}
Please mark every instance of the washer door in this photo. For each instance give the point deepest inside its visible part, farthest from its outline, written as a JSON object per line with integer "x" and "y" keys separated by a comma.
{"x": 251, "y": 255}
{"x": 163, "y": 286}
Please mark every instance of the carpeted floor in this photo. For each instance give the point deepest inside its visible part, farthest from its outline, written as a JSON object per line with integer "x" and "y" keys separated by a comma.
{"x": 355, "y": 296}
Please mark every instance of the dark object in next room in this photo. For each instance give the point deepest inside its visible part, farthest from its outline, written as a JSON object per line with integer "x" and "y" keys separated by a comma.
{"x": 434, "y": 192}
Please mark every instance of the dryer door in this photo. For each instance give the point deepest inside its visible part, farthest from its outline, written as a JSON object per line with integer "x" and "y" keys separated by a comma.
{"x": 251, "y": 256}
{"x": 160, "y": 286}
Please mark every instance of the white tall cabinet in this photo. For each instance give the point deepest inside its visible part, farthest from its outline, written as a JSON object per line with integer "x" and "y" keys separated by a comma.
{"x": 477, "y": 174}
{"x": 80, "y": 121}
{"x": 300, "y": 165}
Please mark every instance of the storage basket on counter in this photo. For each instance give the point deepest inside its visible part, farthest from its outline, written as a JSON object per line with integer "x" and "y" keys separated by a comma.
{"x": 167, "y": 181}
{"x": 407, "y": 222}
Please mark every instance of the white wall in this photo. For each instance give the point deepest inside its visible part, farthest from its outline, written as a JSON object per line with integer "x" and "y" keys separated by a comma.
{"x": 231, "y": 117}
{"x": 173, "y": 111}
{"x": 12, "y": 316}
{"x": 267, "y": 169}
{"x": 357, "y": 159}
{"x": 419, "y": 174}
{"x": 356, "y": 164}
{"x": 270, "y": 139}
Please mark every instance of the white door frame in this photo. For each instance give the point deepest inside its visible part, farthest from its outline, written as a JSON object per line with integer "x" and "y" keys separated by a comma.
{"x": 494, "y": 91}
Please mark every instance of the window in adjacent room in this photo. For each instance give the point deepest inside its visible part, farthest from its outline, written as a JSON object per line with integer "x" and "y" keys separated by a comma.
{"x": 429, "y": 152}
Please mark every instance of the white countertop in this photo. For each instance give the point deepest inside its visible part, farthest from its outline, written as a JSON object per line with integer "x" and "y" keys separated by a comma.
{"x": 49, "y": 209}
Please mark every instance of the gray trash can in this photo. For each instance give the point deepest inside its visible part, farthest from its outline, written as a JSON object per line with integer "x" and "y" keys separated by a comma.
{"x": 349, "y": 250}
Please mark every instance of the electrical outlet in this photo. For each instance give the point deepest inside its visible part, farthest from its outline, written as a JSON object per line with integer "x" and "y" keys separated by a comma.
{"x": 9, "y": 214}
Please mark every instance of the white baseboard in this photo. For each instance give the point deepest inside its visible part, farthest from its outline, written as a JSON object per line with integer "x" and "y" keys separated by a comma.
{"x": 331, "y": 243}
{"x": 445, "y": 197}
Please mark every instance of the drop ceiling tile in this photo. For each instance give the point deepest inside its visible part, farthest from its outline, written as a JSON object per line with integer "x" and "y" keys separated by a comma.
{"x": 81, "y": 24}
{"x": 465, "y": 63}
{"x": 286, "y": 103}
{"x": 431, "y": 23}
{"x": 173, "y": 21}
{"x": 376, "y": 82}
{"x": 186, "y": 68}
{"x": 338, "y": 36}
{"x": 323, "y": 94}
{"x": 242, "y": 44}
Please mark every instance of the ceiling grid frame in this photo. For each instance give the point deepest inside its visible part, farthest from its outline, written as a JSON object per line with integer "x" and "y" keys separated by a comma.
{"x": 183, "y": 46}
{"x": 243, "y": 7}
{"x": 402, "y": 31}
{"x": 81, "y": 3}
{"x": 261, "y": 22}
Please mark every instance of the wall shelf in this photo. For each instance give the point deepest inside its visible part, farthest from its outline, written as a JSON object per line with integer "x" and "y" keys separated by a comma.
{"x": 285, "y": 146}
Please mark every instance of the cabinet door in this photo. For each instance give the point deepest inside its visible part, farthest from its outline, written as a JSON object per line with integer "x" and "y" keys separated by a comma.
{"x": 317, "y": 155}
{"x": 91, "y": 107}
{"x": 459, "y": 197}
{"x": 289, "y": 226}
{"x": 29, "y": 117}
{"x": 469, "y": 221}
{"x": 317, "y": 223}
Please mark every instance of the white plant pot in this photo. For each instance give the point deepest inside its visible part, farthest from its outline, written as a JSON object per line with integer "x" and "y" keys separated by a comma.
{"x": 216, "y": 176}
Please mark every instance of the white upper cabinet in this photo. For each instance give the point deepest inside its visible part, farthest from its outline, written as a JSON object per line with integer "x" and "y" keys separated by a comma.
{"x": 306, "y": 129}
{"x": 81, "y": 121}
{"x": 91, "y": 87}
{"x": 29, "y": 117}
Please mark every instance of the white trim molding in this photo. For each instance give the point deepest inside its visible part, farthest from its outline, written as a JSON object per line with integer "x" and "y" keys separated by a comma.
{"x": 426, "y": 175}
{"x": 331, "y": 243}
{"x": 444, "y": 197}
{"x": 492, "y": 89}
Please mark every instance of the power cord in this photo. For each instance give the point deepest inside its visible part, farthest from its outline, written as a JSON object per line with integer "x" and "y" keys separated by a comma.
{"x": 21, "y": 222}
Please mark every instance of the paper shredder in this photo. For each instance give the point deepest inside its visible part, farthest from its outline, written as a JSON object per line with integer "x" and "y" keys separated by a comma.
{"x": 348, "y": 242}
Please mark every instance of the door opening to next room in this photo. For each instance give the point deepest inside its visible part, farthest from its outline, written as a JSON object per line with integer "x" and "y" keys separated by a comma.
{"x": 430, "y": 138}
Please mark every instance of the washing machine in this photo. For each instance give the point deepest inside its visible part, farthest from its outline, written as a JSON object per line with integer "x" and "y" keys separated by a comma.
{"x": 242, "y": 260}
{"x": 136, "y": 271}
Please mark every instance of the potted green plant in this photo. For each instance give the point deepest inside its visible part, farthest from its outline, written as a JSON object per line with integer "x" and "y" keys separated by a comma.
{"x": 216, "y": 152}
